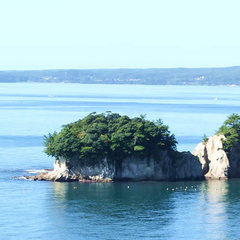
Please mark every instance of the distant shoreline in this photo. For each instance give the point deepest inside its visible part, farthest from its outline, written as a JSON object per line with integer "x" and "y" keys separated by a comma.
{"x": 126, "y": 84}
{"x": 227, "y": 76}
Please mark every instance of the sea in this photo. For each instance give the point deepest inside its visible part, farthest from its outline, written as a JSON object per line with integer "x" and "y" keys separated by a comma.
{"x": 107, "y": 211}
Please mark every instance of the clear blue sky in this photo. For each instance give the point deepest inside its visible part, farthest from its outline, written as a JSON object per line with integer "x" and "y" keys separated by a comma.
{"x": 45, "y": 34}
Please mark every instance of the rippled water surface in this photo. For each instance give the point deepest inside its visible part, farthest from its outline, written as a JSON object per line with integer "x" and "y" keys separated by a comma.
{"x": 146, "y": 210}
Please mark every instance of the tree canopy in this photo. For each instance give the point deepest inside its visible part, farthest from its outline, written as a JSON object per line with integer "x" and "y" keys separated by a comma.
{"x": 109, "y": 135}
{"x": 231, "y": 130}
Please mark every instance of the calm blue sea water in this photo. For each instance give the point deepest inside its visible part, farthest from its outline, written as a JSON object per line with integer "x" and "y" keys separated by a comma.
{"x": 148, "y": 210}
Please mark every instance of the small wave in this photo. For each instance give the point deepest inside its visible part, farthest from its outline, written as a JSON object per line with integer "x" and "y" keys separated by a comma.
{"x": 23, "y": 177}
{"x": 34, "y": 171}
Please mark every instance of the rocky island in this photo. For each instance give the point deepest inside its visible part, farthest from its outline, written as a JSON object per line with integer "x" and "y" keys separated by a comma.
{"x": 110, "y": 147}
{"x": 220, "y": 154}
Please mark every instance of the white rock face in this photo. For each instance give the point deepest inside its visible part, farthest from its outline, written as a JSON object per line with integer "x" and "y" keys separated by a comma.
{"x": 214, "y": 160}
{"x": 62, "y": 172}
{"x": 180, "y": 166}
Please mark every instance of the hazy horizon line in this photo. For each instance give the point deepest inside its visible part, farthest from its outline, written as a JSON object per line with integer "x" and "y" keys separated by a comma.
{"x": 120, "y": 68}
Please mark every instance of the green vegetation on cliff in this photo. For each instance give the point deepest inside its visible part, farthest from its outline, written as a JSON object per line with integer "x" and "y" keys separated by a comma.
{"x": 231, "y": 130}
{"x": 110, "y": 135}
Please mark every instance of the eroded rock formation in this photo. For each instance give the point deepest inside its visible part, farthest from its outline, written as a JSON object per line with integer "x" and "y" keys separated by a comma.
{"x": 216, "y": 164}
{"x": 177, "y": 166}
{"x": 209, "y": 160}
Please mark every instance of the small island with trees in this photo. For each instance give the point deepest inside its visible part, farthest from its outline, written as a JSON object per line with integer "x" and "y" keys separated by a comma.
{"x": 110, "y": 136}
{"x": 231, "y": 130}
{"x": 219, "y": 154}
{"x": 110, "y": 147}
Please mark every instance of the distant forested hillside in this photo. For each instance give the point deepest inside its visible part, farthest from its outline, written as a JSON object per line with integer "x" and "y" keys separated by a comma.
{"x": 159, "y": 76}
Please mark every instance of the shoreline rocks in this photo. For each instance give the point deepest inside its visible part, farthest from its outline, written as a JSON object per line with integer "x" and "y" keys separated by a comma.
{"x": 208, "y": 161}
{"x": 166, "y": 166}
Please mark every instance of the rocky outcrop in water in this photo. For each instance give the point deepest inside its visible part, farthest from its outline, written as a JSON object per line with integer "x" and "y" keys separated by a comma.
{"x": 209, "y": 160}
{"x": 213, "y": 158}
{"x": 175, "y": 166}
{"x": 216, "y": 164}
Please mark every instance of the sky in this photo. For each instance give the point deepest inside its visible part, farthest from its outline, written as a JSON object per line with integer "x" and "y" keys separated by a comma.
{"x": 79, "y": 34}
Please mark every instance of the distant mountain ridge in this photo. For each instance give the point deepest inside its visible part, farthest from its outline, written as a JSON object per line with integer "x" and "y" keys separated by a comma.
{"x": 150, "y": 76}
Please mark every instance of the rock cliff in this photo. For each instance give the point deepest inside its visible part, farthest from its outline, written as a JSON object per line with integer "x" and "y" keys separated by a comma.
{"x": 165, "y": 166}
{"x": 208, "y": 160}
{"x": 213, "y": 158}
{"x": 234, "y": 160}
{"x": 216, "y": 164}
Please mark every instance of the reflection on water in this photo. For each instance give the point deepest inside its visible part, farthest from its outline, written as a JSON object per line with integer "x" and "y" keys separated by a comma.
{"x": 170, "y": 210}
{"x": 217, "y": 189}
{"x": 213, "y": 205}
{"x": 104, "y": 198}
{"x": 126, "y": 208}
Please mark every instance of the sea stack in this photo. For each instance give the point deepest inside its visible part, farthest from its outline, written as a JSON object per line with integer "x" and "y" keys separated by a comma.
{"x": 216, "y": 162}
